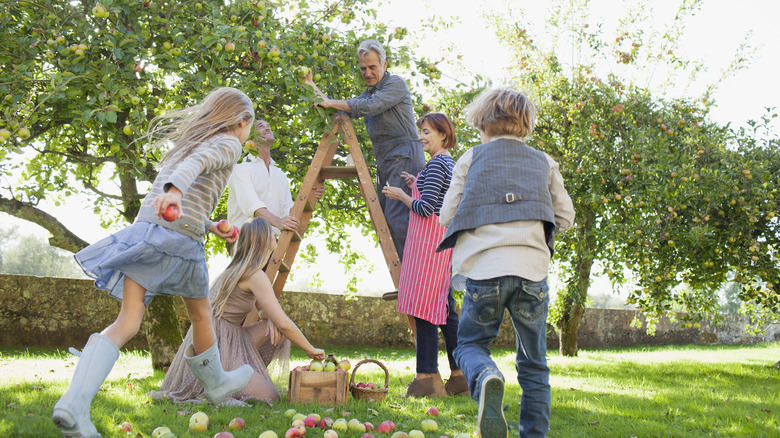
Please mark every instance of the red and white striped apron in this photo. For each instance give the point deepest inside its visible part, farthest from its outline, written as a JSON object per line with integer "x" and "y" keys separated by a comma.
{"x": 425, "y": 274}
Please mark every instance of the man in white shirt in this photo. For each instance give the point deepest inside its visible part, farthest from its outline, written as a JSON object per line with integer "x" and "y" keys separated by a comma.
{"x": 257, "y": 188}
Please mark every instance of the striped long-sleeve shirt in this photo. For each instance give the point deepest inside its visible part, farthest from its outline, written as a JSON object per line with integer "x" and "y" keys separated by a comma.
{"x": 433, "y": 182}
{"x": 201, "y": 177}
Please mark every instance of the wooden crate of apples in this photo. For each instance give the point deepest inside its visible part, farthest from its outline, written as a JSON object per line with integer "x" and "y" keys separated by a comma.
{"x": 323, "y": 382}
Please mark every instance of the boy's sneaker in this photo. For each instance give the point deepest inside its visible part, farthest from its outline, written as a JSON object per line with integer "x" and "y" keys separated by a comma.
{"x": 490, "y": 421}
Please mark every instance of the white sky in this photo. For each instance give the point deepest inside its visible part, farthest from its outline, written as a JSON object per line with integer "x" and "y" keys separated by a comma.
{"x": 713, "y": 36}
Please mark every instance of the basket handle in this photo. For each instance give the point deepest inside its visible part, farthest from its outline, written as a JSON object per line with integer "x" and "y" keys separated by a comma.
{"x": 381, "y": 365}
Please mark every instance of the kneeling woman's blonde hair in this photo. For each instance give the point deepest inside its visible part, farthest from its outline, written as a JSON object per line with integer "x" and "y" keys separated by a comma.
{"x": 502, "y": 111}
{"x": 251, "y": 253}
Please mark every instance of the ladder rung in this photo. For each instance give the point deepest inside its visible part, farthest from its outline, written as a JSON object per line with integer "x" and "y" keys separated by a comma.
{"x": 331, "y": 172}
{"x": 284, "y": 267}
{"x": 309, "y": 206}
{"x": 296, "y": 237}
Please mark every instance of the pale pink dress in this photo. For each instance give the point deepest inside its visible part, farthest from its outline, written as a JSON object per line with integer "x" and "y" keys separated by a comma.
{"x": 270, "y": 362}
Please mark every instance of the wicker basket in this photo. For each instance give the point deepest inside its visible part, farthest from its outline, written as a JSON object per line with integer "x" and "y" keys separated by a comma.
{"x": 367, "y": 393}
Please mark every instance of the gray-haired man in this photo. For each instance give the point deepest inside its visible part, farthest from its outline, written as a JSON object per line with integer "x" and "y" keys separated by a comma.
{"x": 386, "y": 108}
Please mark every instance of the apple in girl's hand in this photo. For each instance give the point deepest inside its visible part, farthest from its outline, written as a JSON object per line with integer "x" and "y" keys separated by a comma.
{"x": 224, "y": 226}
{"x": 235, "y": 232}
{"x": 171, "y": 213}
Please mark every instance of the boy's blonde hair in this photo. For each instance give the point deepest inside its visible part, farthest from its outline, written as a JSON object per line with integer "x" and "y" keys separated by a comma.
{"x": 502, "y": 111}
{"x": 221, "y": 111}
{"x": 251, "y": 253}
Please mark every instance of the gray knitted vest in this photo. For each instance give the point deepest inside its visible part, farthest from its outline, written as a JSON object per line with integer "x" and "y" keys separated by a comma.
{"x": 507, "y": 181}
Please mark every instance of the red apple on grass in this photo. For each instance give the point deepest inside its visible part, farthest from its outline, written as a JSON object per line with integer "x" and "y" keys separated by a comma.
{"x": 310, "y": 421}
{"x": 223, "y": 435}
{"x": 385, "y": 427}
{"x": 326, "y": 422}
{"x": 292, "y": 433}
{"x": 369, "y": 426}
{"x": 330, "y": 433}
{"x": 125, "y": 427}
{"x": 432, "y": 411}
{"x": 237, "y": 423}
{"x": 171, "y": 213}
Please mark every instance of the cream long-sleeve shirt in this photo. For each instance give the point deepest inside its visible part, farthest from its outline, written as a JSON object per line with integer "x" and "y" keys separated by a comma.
{"x": 514, "y": 248}
{"x": 252, "y": 185}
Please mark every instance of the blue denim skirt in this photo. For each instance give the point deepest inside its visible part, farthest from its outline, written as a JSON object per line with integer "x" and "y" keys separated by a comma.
{"x": 163, "y": 261}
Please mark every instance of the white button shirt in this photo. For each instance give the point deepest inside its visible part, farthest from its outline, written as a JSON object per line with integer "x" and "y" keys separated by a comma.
{"x": 252, "y": 185}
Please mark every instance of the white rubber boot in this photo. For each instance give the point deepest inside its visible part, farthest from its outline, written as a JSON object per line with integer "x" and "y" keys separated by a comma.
{"x": 217, "y": 383}
{"x": 71, "y": 413}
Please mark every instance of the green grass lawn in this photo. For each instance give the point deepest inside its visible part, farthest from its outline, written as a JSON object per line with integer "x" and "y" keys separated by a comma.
{"x": 688, "y": 391}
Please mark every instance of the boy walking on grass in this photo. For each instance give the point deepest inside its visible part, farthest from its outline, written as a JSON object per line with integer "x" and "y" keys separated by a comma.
{"x": 505, "y": 203}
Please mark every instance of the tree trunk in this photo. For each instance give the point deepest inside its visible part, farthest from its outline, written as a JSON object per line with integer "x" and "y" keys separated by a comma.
{"x": 163, "y": 334}
{"x": 577, "y": 288}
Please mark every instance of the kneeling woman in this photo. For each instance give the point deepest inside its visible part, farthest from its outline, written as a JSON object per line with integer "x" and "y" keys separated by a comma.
{"x": 264, "y": 345}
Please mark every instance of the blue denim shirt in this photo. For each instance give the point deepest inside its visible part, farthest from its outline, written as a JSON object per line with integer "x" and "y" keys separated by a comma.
{"x": 389, "y": 116}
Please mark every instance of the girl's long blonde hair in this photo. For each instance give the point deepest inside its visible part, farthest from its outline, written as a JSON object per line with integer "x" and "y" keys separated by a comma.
{"x": 252, "y": 250}
{"x": 221, "y": 111}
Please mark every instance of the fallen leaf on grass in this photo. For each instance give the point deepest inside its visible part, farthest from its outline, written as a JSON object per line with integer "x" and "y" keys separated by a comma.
{"x": 748, "y": 418}
{"x": 593, "y": 423}
{"x": 394, "y": 407}
{"x": 766, "y": 410}
{"x": 373, "y": 412}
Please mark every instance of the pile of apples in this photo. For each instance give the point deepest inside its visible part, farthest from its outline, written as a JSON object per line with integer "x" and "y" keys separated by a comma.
{"x": 300, "y": 424}
{"x": 330, "y": 364}
{"x": 199, "y": 423}
{"x": 369, "y": 385}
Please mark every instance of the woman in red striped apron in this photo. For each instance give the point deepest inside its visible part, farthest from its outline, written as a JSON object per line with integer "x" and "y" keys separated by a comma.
{"x": 424, "y": 289}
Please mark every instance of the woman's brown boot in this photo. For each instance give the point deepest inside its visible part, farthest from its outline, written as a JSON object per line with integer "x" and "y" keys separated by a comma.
{"x": 457, "y": 385}
{"x": 426, "y": 386}
{"x": 438, "y": 386}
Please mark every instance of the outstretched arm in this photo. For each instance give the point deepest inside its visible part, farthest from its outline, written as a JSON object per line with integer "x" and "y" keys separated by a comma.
{"x": 326, "y": 102}
{"x": 265, "y": 299}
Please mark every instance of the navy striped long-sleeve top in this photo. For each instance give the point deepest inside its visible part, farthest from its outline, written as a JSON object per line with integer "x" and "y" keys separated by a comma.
{"x": 433, "y": 182}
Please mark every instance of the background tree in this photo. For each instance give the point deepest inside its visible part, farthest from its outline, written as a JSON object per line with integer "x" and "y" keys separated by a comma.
{"x": 659, "y": 189}
{"x": 662, "y": 192}
{"x": 81, "y": 80}
{"x": 32, "y": 255}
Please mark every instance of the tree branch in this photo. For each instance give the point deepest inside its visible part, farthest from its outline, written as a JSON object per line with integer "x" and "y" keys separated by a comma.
{"x": 62, "y": 237}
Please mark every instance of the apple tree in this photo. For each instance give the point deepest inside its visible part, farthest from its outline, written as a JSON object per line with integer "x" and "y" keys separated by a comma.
{"x": 667, "y": 201}
{"x": 80, "y": 82}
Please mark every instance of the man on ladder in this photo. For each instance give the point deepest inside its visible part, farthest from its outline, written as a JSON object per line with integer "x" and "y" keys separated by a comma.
{"x": 386, "y": 108}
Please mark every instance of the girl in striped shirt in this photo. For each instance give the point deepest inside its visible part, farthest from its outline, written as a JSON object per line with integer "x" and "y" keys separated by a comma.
{"x": 162, "y": 252}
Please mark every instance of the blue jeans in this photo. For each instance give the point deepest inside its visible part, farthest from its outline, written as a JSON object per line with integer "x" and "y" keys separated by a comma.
{"x": 527, "y": 301}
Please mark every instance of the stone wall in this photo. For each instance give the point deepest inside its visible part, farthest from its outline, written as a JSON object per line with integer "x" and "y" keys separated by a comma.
{"x": 60, "y": 313}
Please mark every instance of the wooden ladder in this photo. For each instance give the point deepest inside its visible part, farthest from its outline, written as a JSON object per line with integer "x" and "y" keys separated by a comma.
{"x": 321, "y": 169}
